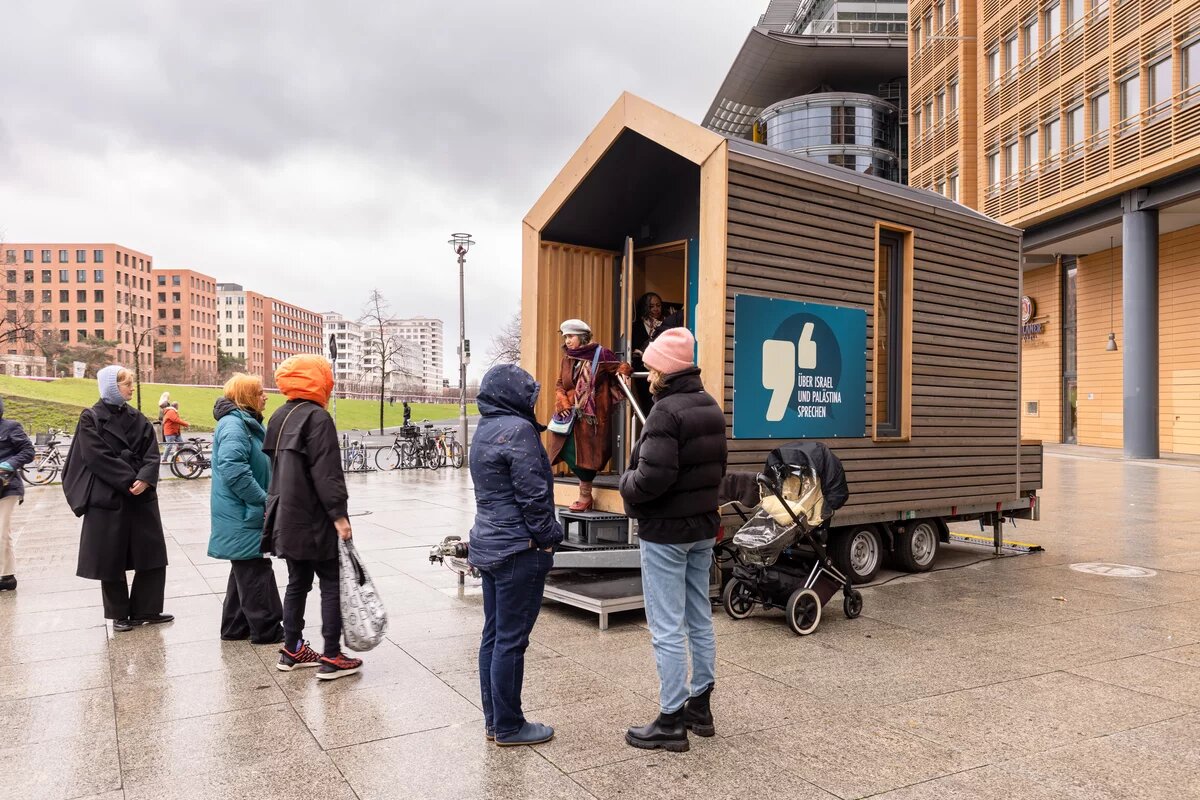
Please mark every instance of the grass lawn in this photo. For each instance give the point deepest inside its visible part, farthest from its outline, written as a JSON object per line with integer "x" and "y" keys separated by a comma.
{"x": 42, "y": 404}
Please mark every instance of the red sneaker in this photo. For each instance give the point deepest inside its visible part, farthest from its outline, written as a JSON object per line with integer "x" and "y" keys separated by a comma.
{"x": 304, "y": 657}
{"x": 338, "y": 667}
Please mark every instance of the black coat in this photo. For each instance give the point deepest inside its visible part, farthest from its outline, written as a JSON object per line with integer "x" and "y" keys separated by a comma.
{"x": 677, "y": 465}
{"x": 17, "y": 450}
{"x": 308, "y": 490}
{"x": 114, "y": 447}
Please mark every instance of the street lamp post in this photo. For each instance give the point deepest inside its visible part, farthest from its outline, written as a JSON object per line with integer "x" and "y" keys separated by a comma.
{"x": 461, "y": 242}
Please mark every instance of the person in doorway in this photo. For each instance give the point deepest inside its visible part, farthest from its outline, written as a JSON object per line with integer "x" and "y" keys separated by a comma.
{"x": 241, "y": 473}
{"x": 110, "y": 480}
{"x": 306, "y": 511}
{"x": 15, "y": 452}
{"x": 589, "y": 400}
{"x": 511, "y": 544}
{"x": 652, "y": 318}
{"x": 671, "y": 490}
{"x": 172, "y": 426}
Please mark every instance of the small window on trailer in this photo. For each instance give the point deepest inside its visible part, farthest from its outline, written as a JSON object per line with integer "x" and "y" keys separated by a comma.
{"x": 892, "y": 348}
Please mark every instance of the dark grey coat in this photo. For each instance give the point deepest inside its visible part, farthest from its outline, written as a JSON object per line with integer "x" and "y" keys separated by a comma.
{"x": 17, "y": 450}
{"x": 308, "y": 490}
{"x": 113, "y": 447}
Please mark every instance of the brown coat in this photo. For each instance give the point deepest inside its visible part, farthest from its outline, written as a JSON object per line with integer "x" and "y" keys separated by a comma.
{"x": 593, "y": 443}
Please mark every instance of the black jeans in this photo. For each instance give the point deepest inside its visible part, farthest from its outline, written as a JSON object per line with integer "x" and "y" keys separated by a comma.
{"x": 300, "y": 581}
{"x": 512, "y": 598}
{"x": 252, "y": 608}
{"x": 145, "y": 599}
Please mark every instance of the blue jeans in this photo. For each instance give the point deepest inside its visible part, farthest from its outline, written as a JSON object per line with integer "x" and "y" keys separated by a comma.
{"x": 512, "y": 598}
{"x": 675, "y": 584}
{"x": 171, "y": 441}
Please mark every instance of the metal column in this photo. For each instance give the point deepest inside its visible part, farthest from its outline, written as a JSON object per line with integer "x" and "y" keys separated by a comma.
{"x": 1139, "y": 308}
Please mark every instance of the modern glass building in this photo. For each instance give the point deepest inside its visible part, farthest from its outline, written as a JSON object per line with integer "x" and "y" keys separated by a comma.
{"x": 823, "y": 79}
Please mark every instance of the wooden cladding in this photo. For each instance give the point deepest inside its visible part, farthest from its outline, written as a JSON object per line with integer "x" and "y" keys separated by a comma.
{"x": 795, "y": 235}
{"x": 1041, "y": 357}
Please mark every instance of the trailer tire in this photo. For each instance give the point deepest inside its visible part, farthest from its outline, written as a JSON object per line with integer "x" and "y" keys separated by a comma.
{"x": 858, "y": 552}
{"x": 917, "y": 545}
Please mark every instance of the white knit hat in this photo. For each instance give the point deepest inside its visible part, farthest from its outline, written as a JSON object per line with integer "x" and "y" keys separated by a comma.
{"x": 575, "y": 327}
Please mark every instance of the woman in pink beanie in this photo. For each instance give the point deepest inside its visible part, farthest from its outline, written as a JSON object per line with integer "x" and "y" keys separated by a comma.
{"x": 670, "y": 488}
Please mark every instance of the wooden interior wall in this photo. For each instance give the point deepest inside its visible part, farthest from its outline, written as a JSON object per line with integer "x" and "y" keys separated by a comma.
{"x": 574, "y": 282}
{"x": 1041, "y": 358}
{"x": 1100, "y": 372}
{"x": 802, "y": 237}
{"x": 663, "y": 272}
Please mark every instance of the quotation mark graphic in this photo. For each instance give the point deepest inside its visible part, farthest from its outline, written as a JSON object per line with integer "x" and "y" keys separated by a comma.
{"x": 780, "y": 362}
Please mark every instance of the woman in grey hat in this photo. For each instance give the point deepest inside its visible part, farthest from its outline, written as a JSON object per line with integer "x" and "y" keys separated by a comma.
{"x": 586, "y": 395}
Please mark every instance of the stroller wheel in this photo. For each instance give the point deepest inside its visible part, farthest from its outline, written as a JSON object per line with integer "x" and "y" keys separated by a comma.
{"x": 737, "y": 598}
{"x": 804, "y": 611}
{"x": 852, "y": 603}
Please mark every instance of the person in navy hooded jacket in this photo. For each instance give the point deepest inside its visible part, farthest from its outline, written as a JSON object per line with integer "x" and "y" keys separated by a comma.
{"x": 512, "y": 544}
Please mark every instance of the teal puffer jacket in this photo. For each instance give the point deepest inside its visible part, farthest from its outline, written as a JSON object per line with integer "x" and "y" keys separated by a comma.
{"x": 240, "y": 476}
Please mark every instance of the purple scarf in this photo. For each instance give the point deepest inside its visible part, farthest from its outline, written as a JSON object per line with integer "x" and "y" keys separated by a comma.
{"x": 585, "y": 394}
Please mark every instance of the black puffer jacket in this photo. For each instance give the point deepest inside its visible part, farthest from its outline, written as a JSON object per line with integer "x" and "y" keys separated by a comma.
{"x": 677, "y": 465}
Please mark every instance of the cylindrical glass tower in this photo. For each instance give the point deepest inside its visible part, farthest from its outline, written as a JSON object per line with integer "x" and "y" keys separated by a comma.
{"x": 855, "y": 131}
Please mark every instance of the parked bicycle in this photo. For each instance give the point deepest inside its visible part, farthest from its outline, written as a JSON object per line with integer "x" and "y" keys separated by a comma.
{"x": 354, "y": 455}
{"x": 48, "y": 461}
{"x": 450, "y": 449}
{"x": 402, "y": 452}
{"x": 190, "y": 460}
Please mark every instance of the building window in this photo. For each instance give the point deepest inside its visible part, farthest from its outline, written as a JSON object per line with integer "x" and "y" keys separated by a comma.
{"x": 1075, "y": 13}
{"x": 47, "y": 296}
{"x": 1129, "y": 93}
{"x": 1189, "y": 65}
{"x": 46, "y": 259}
{"x": 940, "y": 14}
{"x": 175, "y": 280}
{"x": 98, "y": 315}
{"x": 98, "y": 256}
{"x": 175, "y": 314}
{"x": 1074, "y": 129}
{"x": 47, "y": 276}
{"x": 1053, "y": 23}
{"x": 1029, "y": 39}
{"x": 80, "y": 335}
{"x": 952, "y": 97}
{"x": 940, "y": 187}
{"x": 98, "y": 296}
{"x": 1099, "y": 8}
{"x": 1029, "y": 150}
{"x": 81, "y": 276}
{"x": 939, "y": 105}
{"x": 928, "y": 25}
{"x": 1158, "y": 76}
{"x": 64, "y": 295}
{"x": 64, "y": 275}
{"x": 81, "y": 315}
{"x": 892, "y": 345}
{"x": 952, "y": 187}
{"x": 81, "y": 256}
{"x": 64, "y": 257}
{"x": 1009, "y": 46}
{"x": 927, "y": 115}
{"x": 1052, "y": 139}
{"x": 28, "y": 256}
{"x": 1101, "y": 113}
{"x": 1010, "y": 159}
{"x": 81, "y": 295}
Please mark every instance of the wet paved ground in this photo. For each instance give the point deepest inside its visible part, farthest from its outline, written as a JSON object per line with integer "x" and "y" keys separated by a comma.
{"x": 1016, "y": 678}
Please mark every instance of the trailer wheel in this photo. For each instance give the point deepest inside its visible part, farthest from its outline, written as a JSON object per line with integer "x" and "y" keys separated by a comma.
{"x": 917, "y": 546}
{"x": 737, "y": 598}
{"x": 858, "y": 553}
{"x": 804, "y": 611}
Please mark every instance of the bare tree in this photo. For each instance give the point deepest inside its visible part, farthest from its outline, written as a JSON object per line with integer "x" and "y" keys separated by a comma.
{"x": 382, "y": 351}
{"x": 21, "y": 319}
{"x": 141, "y": 337}
{"x": 506, "y": 345}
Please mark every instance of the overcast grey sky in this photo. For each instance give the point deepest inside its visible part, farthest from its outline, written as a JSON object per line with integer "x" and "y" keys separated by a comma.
{"x": 316, "y": 150}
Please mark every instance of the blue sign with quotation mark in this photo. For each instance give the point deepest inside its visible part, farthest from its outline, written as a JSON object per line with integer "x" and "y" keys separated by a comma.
{"x": 799, "y": 370}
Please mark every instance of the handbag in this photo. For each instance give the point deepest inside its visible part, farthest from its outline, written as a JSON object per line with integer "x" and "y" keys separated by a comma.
{"x": 364, "y": 620}
{"x": 562, "y": 422}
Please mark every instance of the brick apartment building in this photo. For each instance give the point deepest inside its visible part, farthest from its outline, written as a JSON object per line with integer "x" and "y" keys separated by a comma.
{"x": 185, "y": 311}
{"x": 264, "y": 330}
{"x": 71, "y": 293}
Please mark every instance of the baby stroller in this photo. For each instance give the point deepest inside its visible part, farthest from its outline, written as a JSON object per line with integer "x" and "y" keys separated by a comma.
{"x": 779, "y": 556}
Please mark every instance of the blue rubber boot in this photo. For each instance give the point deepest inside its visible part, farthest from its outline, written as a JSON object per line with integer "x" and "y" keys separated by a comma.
{"x": 530, "y": 733}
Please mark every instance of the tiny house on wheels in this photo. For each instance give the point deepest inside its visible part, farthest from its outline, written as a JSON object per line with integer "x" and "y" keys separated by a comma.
{"x": 827, "y": 304}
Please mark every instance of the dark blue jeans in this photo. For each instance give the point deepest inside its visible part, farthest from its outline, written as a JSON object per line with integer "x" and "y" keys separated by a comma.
{"x": 512, "y": 598}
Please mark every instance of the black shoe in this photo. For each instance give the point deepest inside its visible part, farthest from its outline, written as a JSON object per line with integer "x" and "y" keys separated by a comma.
{"x": 8, "y": 583}
{"x": 276, "y": 639}
{"x": 241, "y": 637}
{"x": 127, "y": 624}
{"x": 154, "y": 619}
{"x": 697, "y": 716}
{"x": 667, "y": 732}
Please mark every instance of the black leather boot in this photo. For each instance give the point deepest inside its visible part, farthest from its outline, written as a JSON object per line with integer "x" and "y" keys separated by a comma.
{"x": 667, "y": 732}
{"x": 697, "y": 716}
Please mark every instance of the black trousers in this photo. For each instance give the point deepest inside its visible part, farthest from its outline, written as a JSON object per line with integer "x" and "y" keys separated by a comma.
{"x": 144, "y": 600}
{"x": 300, "y": 581}
{"x": 252, "y": 608}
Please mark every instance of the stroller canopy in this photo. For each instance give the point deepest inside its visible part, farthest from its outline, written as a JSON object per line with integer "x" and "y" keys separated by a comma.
{"x": 782, "y": 461}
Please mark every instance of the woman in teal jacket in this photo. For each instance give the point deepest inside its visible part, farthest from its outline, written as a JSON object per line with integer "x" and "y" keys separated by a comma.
{"x": 240, "y": 476}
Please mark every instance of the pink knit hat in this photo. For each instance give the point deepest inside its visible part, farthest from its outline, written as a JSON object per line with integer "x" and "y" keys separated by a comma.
{"x": 671, "y": 352}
